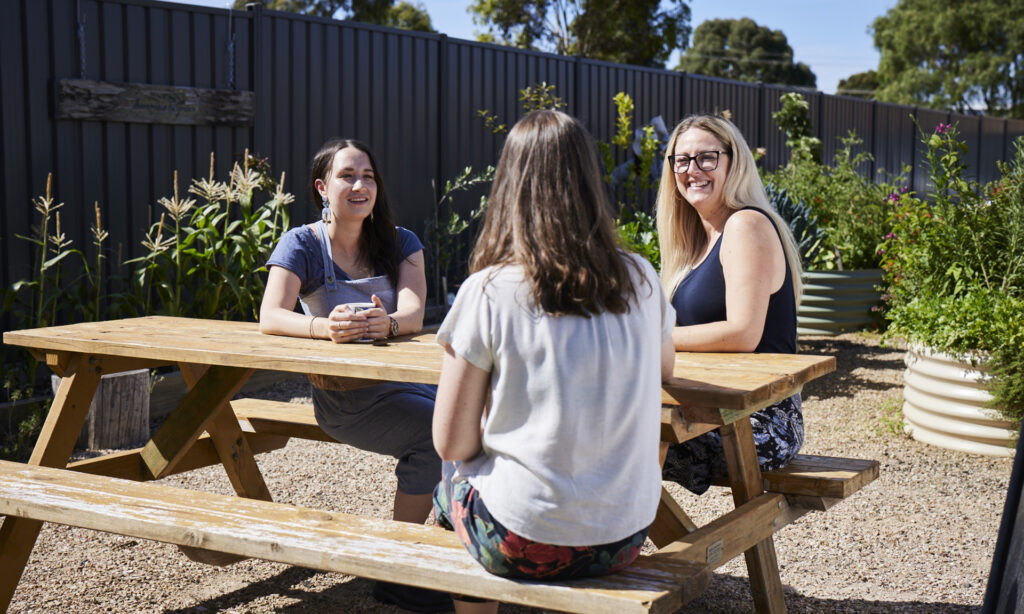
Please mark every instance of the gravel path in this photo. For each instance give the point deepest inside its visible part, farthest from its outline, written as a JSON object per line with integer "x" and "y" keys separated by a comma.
{"x": 919, "y": 539}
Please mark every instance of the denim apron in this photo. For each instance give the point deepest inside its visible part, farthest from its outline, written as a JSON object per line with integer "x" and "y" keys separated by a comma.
{"x": 390, "y": 418}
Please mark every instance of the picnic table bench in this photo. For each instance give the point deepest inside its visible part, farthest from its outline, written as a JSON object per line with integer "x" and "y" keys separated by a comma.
{"x": 709, "y": 391}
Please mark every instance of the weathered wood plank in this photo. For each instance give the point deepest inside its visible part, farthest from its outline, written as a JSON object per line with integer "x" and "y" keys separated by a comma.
{"x": 153, "y": 104}
{"x": 330, "y": 541}
{"x": 819, "y": 476}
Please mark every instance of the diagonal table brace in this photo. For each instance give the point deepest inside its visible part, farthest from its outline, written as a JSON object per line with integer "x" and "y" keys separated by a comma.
{"x": 186, "y": 423}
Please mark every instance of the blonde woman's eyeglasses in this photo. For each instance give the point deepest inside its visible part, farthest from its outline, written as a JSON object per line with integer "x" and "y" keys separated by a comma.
{"x": 706, "y": 161}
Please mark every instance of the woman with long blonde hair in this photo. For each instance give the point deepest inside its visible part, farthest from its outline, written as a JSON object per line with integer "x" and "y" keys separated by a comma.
{"x": 732, "y": 270}
{"x": 549, "y": 402}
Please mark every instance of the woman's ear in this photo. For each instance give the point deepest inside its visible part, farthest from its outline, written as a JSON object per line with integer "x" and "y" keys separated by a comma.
{"x": 320, "y": 187}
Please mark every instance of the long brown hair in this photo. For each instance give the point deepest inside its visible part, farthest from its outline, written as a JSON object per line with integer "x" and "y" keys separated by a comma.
{"x": 680, "y": 232}
{"x": 549, "y": 214}
{"x": 378, "y": 239}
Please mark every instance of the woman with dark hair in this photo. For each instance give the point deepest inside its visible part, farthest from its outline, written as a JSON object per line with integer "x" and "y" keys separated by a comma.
{"x": 732, "y": 268}
{"x": 359, "y": 277}
{"x": 549, "y": 402}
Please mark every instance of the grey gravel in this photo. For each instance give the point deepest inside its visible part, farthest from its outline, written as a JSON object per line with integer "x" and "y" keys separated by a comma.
{"x": 919, "y": 539}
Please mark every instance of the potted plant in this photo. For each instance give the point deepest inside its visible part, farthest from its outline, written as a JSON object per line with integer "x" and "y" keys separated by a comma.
{"x": 954, "y": 268}
{"x": 841, "y": 282}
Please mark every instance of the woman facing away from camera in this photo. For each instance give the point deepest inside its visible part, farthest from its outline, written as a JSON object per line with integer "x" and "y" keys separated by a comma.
{"x": 359, "y": 277}
{"x": 732, "y": 268}
{"x": 548, "y": 406}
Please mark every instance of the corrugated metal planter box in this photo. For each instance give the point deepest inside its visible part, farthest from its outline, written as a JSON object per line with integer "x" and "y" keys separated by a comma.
{"x": 944, "y": 405}
{"x": 838, "y": 301}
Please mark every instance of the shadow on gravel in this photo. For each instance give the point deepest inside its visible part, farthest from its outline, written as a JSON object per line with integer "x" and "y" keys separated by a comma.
{"x": 726, "y": 595}
{"x": 851, "y": 355}
{"x": 731, "y": 595}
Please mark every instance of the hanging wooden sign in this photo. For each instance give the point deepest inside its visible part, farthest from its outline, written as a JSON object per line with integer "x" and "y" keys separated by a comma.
{"x": 153, "y": 104}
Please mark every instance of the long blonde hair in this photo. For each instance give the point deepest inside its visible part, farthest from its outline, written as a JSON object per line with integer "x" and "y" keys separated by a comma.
{"x": 680, "y": 232}
{"x": 549, "y": 214}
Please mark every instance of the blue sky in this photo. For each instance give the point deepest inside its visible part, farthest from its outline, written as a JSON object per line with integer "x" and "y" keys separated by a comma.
{"x": 830, "y": 36}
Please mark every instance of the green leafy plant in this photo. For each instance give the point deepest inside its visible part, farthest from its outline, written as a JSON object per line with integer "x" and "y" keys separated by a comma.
{"x": 202, "y": 259}
{"x": 849, "y": 207}
{"x": 848, "y": 204}
{"x": 794, "y": 119}
{"x": 954, "y": 265}
{"x": 444, "y": 232}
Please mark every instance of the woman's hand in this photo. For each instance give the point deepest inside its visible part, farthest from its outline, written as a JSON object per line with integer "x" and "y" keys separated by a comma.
{"x": 344, "y": 324}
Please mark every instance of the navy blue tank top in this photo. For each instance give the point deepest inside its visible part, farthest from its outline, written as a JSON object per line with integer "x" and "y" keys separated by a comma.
{"x": 700, "y": 299}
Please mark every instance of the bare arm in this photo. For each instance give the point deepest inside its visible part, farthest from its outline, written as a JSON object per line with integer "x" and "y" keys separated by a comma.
{"x": 277, "y": 315}
{"x": 668, "y": 360}
{"x": 754, "y": 266}
{"x": 461, "y": 397}
{"x": 411, "y": 293}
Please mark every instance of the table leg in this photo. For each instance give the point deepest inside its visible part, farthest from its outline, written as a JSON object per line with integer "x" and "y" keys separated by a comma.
{"x": 746, "y": 482}
{"x": 236, "y": 456}
{"x": 232, "y": 447}
{"x": 53, "y": 448}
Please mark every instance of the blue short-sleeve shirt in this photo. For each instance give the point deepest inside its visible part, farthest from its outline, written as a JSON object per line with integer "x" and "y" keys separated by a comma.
{"x": 299, "y": 252}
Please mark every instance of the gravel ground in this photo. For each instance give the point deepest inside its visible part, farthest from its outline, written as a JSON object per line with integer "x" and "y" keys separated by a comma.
{"x": 919, "y": 539}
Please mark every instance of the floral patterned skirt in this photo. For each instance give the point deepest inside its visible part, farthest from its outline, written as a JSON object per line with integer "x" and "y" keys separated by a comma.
{"x": 778, "y": 435}
{"x": 459, "y": 507}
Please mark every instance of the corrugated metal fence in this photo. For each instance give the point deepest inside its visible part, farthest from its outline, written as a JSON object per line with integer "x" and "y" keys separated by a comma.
{"x": 412, "y": 96}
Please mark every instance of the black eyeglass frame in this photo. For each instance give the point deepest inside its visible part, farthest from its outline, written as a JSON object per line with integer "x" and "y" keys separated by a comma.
{"x": 691, "y": 159}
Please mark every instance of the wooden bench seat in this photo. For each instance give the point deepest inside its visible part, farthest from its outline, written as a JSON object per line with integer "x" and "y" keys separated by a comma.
{"x": 818, "y": 482}
{"x": 378, "y": 549}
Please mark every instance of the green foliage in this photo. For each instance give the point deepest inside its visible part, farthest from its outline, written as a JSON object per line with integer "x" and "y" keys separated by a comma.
{"x": 808, "y": 235}
{"x": 540, "y": 96}
{"x": 850, "y": 208}
{"x": 954, "y": 264}
{"x": 859, "y": 85}
{"x": 639, "y": 233}
{"x": 444, "y": 232}
{"x": 205, "y": 260}
{"x": 405, "y": 15}
{"x": 641, "y": 32}
{"x": 794, "y": 119}
{"x": 202, "y": 261}
{"x": 18, "y": 440}
{"x": 952, "y": 55}
{"x": 742, "y": 50}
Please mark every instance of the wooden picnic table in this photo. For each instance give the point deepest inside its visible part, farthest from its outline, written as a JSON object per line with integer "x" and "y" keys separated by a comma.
{"x": 709, "y": 390}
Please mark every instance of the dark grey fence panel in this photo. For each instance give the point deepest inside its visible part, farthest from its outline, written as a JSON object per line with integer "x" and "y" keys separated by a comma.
{"x": 969, "y": 127}
{"x": 843, "y": 115}
{"x": 894, "y": 138}
{"x": 992, "y": 144}
{"x": 1014, "y": 130}
{"x": 772, "y": 138}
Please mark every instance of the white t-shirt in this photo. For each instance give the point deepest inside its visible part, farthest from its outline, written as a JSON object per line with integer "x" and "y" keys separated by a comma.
{"x": 570, "y": 442}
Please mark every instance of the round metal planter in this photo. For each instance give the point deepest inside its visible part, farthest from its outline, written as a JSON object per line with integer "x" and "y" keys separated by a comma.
{"x": 944, "y": 405}
{"x": 838, "y": 301}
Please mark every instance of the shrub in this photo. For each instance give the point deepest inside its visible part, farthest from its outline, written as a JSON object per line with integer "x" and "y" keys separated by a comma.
{"x": 954, "y": 265}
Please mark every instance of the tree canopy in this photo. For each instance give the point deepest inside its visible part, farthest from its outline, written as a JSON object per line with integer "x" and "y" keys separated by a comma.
{"x": 742, "y": 50}
{"x": 637, "y": 32}
{"x": 859, "y": 85}
{"x": 403, "y": 14}
{"x": 953, "y": 54}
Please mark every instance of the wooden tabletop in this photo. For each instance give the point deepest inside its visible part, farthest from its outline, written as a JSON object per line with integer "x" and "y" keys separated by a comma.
{"x": 721, "y": 380}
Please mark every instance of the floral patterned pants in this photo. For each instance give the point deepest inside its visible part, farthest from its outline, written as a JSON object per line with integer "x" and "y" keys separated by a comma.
{"x": 459, "y": 507}
{"x": 778, "y": 435}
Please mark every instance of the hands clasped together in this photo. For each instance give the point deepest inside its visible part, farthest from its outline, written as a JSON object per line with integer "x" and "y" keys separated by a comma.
{"x": 347, "y": 322}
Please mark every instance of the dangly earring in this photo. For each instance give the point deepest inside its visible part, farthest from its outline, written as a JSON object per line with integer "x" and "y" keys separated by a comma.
{"x": 325, "y": 213}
